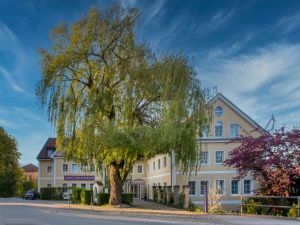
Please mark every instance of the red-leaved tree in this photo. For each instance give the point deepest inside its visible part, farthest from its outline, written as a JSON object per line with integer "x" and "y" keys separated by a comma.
{"x": 272, "y": 159}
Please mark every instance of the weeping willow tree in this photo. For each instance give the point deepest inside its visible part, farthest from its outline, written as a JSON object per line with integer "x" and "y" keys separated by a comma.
{"x": 113, "y": 100}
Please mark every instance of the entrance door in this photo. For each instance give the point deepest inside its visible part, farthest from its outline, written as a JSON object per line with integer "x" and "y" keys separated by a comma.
{"x": 136, "y": 191}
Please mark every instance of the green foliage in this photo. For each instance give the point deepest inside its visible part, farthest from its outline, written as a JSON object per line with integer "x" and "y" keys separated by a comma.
{"x": 293, "y": 212}
{"x": 127, "y": 198}
{"x": 52, "y": 193}
{"x": 251, "y": 208}
{"x": 192, "y": 206}
{"x": 171, "y": 198}
{"x": 28, "y": 185}
{"x": 155, "y": 195}
{"x": 161, "y": 196}
{"x": 10, "y": 171}
{"x": 112, "y": 99}
{"x": 102, "y": 198}
{"x": 76, "y": 195}
{"x": 86, "y": 196}
{"x": 181, "y": 200}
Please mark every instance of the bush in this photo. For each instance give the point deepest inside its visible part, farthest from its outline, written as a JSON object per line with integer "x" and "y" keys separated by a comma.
{"x": 171, "y": 198}
{"x": 47, "y": 193}
{"x": 127, "y": 198}
{"x": 76, "y": 195}
{"x": 161, "y": 196}
{"x": 102, "y": 198}
{"x": 251, "y": 208}
{"x": 293, "y": 212}
{"x": 155, "y": 194}
{"x": 86, "y": 196}
{"x": 181, "y": 200}
{"x": 192, "y": 206}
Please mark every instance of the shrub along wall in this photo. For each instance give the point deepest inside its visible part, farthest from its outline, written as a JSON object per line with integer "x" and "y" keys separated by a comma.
{"x": 86, "y": 196}
{"x": 51, "y": 193}
{"x": 76, "y": 195}
{"x": 103, "y": 198}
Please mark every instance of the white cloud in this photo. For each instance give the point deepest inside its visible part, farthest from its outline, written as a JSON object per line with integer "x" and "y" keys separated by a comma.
{"x": 289, "y": 23}
{"x": 262, "y": 82}
{"x": 154, "y": 10}
{"x": 9, "y": 77}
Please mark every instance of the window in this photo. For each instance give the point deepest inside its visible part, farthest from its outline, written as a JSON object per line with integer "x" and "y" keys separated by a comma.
{"x": 218, "y": 111}
{"x": 153, "y": 165}
{"x": 50, "y": 152}
{"x": 219, "y": 129}
{"x": 91, "y": 186}
{"x": 234, "y": 187}
{"x": 192, "y": 186}
{"x": 165, "y": 161}
{"x": 234, "y": 130}
{"x": 74, "y": 168}
{"x": 83, "y": 185}
{"x": 65, "y": 168}
{"x": 220, "y": 186}
{"x": 165, "y": 183}
{"x": 49, "y": 185}
{"x": 153, "y": 184}
{"x": 140, "y": 169}
{"x": 219, "y": 157}
{"x": 158, "y": 184}
{"x": 158, "y": 164}
{"x": 65, "y": 185}
{"x": 203, "y": 185}
{"x": 83, "y": 169}
{"x": 247, "y": 187}
{"x": 205, "y": 131}
{"x": 49, "y": 169}
{"x": 92, "y": 168}
{"x": 74, "y": 185}
{"x": 204, "y": 157}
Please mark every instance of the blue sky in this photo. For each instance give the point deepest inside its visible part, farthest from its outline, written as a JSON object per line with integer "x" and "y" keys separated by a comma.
{"x": 249, "y": 49}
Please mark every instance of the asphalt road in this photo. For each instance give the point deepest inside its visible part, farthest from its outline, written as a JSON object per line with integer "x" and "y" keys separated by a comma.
{"x": 27, "y": 215}
{"x": 23, "y": 212}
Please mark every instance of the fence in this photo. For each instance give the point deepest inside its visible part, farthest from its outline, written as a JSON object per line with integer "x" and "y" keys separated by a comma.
{"x": 270, "y": 206}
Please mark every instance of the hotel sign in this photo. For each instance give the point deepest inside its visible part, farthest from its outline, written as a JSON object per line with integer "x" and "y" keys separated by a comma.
{"x": 89, "y": 178}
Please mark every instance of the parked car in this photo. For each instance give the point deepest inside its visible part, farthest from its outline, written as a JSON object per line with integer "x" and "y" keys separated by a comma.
{"x": 31, "y": 194}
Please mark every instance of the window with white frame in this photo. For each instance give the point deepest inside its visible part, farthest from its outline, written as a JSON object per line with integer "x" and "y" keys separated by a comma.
{"x": 153, "y": 165}
{"x": 204, "y": 157}
{"x": 140, "y": 169}
{"x": 165, "y": 161}
{"x": 158, "y": 164}
{"x": 49, "y": 185}
{"x": 65, "y": 168}
{"x": 234, "y": 187}
{"x": 91, "y": 186}
{"x": 220, "y": 185}
{"x": 74, "y": 185}
{"x": 83, "y": 168}
{"x": 234, "y": 130}
{"x": 74, "y": 168}
{"x": 219, "y": 129}
{"x": 204, "y": 186}
{"x": 83, "y": 186}
{"x": 247, "y": 187}
{"x": 192, "y": 186}
{"x": 205, "y": 131}
{"x": 49, "y": 169}
{"x": 219, "y": 157}
{"x": 65, "y": 185}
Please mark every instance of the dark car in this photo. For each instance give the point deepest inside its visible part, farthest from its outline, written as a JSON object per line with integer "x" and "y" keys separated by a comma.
{"x": 31, "y": 194}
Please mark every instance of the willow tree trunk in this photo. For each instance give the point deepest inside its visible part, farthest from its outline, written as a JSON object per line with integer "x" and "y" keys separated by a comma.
{"x": 116, "y": 185}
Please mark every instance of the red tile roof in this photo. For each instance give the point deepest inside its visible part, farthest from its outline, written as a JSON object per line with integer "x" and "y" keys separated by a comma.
{"x": 50, "y": 144}
{"x": 30, "y": 168}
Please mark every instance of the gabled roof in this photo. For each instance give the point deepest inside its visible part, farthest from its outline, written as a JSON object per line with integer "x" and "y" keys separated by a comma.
{"x": 50, "y": 144}
{"x": 30, "y": 168}
{"x": 236, "y": 109}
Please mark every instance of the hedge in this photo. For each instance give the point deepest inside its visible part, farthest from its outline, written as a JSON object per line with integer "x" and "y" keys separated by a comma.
{"x": 76, "y": 195}
{"x": 86, "y": 196}
{"x": 103, "y": 198}
{"x": 51, "y": 193}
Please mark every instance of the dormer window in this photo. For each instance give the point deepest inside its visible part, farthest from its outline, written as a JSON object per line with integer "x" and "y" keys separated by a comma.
{"x": 50, "y": 152}
{"x": 218, "y": 111}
